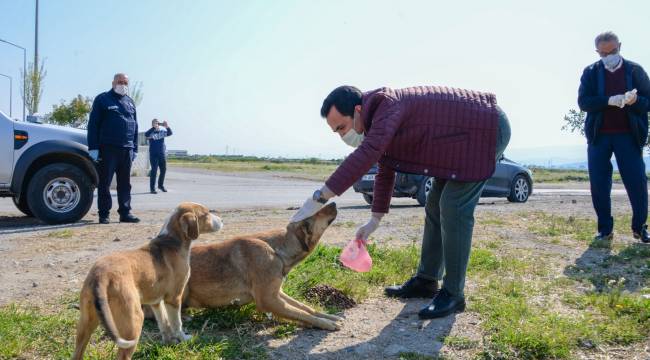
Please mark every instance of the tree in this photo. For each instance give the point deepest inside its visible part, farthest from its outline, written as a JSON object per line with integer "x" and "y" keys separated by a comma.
{"x": 135, "y": 93}
{"x": 33, "y": 86}
{"x": 575, "y": 121}
{"x": 74, "y": 114}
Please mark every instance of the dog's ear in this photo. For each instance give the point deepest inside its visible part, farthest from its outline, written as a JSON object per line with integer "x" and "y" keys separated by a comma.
{"x": 190, "y": 225}
{"x": 305, "y": 229}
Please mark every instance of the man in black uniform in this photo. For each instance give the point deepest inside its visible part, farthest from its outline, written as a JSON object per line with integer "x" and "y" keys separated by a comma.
{"x": 113, "y": 143}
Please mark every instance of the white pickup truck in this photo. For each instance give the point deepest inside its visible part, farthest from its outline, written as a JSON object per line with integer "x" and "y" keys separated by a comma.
{"x": 46, "y": 170}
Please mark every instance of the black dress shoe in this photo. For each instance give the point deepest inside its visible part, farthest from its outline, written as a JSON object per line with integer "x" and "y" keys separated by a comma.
{"x": 603, "y": 237}
{"x": 162, "y": 188}
{"x": 129, "y": 218}
{"x": 442, "y": 305}
{"x": 415, "y": 287}
{"x": 153, "y": 191}
{"x": 642, "y": 235}
{"x": 104, "y": 220}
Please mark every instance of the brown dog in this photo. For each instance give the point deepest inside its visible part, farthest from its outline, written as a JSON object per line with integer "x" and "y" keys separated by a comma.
{"x": 252, "y": 267}
{"x": 154, "y": 274}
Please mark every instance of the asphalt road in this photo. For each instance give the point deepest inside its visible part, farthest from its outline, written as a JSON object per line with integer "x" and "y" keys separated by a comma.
{"x": 217, "y": 191}
{"x": 242, "y": 191}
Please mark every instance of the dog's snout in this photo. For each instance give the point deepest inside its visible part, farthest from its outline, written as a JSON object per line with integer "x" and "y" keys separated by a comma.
{"x": 217, "y": 223}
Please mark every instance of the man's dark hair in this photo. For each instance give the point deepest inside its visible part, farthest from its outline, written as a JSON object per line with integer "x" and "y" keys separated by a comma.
{"x": 344, "y": 98}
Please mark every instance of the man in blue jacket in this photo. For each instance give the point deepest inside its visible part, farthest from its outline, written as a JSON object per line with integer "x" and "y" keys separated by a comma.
{"x": 615, "y": 93}
{"x": 113, "y": 143}
{"x": 156, "y": 136}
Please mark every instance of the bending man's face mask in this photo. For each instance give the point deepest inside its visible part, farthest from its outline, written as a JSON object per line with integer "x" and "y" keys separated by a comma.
{"x": 352, "y": 137}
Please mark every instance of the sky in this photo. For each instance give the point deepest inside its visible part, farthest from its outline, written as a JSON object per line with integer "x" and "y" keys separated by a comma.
{"x": 249, "y": 77}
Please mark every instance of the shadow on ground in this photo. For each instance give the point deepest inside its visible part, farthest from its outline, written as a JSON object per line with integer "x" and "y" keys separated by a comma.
{"x": 403, "y": 334}
{"x": 600, "y": 267}
{"x": 25, "y": 224}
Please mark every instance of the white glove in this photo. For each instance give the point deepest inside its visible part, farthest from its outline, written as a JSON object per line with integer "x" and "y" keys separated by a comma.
{"x": 630, "y": 97}
{"x": 94, "y": 154}
{"x": 309, "y": 208}
{"x": 133, "y": 156}
{"x": 617, "y": 100}
{"x": 364, "y": 232}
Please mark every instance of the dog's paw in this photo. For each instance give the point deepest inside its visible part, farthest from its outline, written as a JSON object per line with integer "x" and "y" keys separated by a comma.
{"x": 327, "y": 325}
{"x": 178, "y": 338}
{"x": 168, "y": 339}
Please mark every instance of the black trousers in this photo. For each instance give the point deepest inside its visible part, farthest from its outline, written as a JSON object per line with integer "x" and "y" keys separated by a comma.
{"x": 629, "y": 157}
{"x": 157, "y": 161}
{"x": 114, "y": 160}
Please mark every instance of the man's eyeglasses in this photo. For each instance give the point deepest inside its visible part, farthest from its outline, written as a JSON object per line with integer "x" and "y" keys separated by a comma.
{"x": 603, "y": 53}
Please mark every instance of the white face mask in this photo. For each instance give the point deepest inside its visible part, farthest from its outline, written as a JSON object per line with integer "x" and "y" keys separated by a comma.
{"x": 351, "y": 137}
{"x": 611, "y": 61}
{"x": 121, "y": 89}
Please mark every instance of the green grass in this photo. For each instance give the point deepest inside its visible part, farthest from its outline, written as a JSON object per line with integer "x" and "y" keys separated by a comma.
{"x": 24, "y": 330}
{"x": 316, "y": 169}
{"x": 531, "y": 304}
{"x": 542, "y": 175}
{"x": 390, "y": 265}
{"x": 517, "y": 303}
{"x": 460, "y": 342}
{"x": 416, "y": 356}
{"x": 522, "y": 329}
{"x": 228, "y": 333}
{"x": 61, "y": 234}
{"x": 312, "y": 169}
{"x": 553, "y": 226}
{"x": 547, "y": 175}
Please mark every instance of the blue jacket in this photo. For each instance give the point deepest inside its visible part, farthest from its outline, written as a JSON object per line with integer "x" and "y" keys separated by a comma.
{"x": 592, "y": 99}
{"x": 157, "y": 139}
{"x": 113, "y": 121}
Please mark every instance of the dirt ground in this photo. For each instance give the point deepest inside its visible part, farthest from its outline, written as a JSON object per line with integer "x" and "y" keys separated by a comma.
{"x": 37, "y": 267}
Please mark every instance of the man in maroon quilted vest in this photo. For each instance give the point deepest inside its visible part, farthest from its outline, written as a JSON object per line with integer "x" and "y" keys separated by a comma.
{"x": 454, "y": 135}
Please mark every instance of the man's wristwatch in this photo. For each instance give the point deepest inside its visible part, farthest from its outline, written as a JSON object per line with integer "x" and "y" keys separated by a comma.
{"x": 318, "y": 196}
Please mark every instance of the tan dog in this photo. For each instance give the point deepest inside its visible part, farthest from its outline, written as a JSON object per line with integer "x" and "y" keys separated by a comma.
{"x": 154, "y": 274}
{"x": 252, "y": 267}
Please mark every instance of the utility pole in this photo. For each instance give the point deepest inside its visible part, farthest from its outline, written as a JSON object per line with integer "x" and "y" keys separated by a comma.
{"x": 36, "y": 67}
{"x": 36, "y": 38}
{"x": 10, "y": 94}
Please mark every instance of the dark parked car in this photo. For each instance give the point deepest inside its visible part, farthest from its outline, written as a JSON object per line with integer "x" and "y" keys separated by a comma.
{"x": 510, "y": 180}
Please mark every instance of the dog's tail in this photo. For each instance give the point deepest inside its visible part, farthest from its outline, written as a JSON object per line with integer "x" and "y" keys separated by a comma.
{"x": 105, "y": 315}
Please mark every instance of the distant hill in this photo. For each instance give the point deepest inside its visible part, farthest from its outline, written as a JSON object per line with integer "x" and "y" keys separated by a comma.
{"x": 561, "y": 157}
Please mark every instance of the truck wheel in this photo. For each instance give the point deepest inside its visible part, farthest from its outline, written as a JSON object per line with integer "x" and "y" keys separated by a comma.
{"x": 423, "y": 191}
{"x": 22, "y": 205}
{"x": 367, "y": 198}
{"x": 60, "y": 193}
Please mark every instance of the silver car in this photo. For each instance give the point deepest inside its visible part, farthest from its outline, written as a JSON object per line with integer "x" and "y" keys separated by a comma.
{"x": 510, "y": 180}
